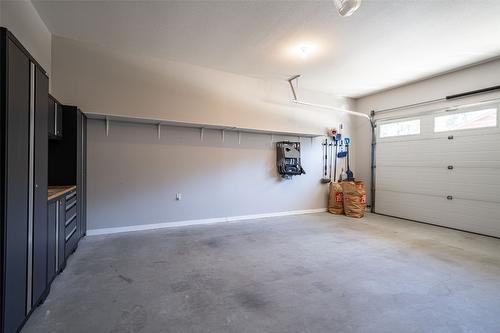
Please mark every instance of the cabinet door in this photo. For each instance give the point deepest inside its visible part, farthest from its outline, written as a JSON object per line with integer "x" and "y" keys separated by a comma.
{"x": 52, "y": 233}
{"x": 51, "y": 118}
{"x": 17, "y": 181}
{"x": 40, "y": 186}
{"x": 61, "y": 241}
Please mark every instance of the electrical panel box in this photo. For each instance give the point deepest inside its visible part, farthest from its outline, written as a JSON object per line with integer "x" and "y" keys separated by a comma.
{"x": 288, "y": 159}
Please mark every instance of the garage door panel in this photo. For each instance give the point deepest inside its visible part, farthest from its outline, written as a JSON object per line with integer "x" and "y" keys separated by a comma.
{"x": 407, "y": 153}
{"x": 422, "y": 180}
{"x": 428, "y": 155}
{"x": 475, "y": 216}
{"x": 476, "y": 184}
{"x": 412, "y": 206}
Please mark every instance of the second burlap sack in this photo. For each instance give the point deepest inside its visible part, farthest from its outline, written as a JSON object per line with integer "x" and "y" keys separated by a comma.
{"x": 354, "y": 198}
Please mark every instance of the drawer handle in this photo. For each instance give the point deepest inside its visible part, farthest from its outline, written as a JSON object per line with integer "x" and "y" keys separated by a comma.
{"x": 71, "y": 219}
{"x": 450, "y": 197}
{"x": 71, "y": 205}
{"x": 70, "y": 234}
{"x": 71, "y": 195}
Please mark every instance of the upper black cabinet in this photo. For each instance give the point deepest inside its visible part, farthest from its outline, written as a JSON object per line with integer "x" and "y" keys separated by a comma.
{"x": 55, "y": 119}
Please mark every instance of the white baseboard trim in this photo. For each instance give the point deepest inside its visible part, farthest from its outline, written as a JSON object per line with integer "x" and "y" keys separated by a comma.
{"x": 175, "y": 224}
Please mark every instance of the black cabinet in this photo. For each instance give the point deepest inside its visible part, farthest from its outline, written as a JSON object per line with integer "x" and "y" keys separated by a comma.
{"x": 52, "y": 233}
{"x": 61, "y": 261}
{"x": 55, "y": 119}
{"x": 36, "y": 236}
{"x": 67, "y": 160}
{"x": 40, "y": 164}
{"x": 56, "y": 237}
{"x": 23, "y": 181}
{"x": 16, "y": 131}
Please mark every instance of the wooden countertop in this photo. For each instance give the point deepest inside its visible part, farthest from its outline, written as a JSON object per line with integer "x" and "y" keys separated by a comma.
{"x": 57, "y": 191}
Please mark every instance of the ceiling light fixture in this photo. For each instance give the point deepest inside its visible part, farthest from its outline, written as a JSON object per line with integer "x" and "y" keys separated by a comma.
{"x": 303, "y": 50}
{"x": 347, "y": 7}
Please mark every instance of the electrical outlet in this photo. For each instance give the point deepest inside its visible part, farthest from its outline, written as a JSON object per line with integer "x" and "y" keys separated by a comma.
{"x": 178, "y": 196}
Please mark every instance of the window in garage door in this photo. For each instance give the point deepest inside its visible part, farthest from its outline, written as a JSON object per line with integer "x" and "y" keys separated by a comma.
{"x": 400, "y": 128}
{"x": 466, "y": 120}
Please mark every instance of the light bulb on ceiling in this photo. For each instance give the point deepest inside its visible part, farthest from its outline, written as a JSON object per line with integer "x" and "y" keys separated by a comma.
{"x": 304, "y": 50}
{"x": 347, "y": 7}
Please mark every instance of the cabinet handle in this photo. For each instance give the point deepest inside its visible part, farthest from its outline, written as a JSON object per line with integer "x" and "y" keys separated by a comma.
{"x": 55, "y": 119}
{"x": 71, "y": 195}
{"x": 70, "y": 220}
{"x": 70, "y": 234}
{"x": 57, "y": 236}
{"x": 29, "y": 282}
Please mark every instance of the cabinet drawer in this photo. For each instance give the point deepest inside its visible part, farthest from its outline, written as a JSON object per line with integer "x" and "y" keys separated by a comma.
{"x": 70, "y": 230}
{"x": 70, "y": 196}
{"x": 71, "y": 204}
{"x": 71, "y": 216}
{"x": 71, "y": 240}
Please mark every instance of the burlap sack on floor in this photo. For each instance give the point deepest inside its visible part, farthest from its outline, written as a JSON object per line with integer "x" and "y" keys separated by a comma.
{"x": 336, "y": 199}
{"x": 354, "y": 198}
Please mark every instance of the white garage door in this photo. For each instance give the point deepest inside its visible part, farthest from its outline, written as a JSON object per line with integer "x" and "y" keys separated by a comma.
{"x": 442, "y": 169}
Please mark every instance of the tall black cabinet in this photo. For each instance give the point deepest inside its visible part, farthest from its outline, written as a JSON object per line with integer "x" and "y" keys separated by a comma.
{"x": 23, "y": 181}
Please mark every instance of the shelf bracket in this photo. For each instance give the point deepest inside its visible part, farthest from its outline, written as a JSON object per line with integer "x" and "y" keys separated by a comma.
{"x": 223, "y": 136}
{"x": 239, "y": 138}
{"x": 201, "y": 134}
{"x": 107, "y": 126}
{"x": 159, "y": 131}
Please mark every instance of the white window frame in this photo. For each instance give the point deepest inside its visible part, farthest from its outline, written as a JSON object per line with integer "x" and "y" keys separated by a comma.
{"x": 401, "y": 120}
{"x": 466, "y": 110}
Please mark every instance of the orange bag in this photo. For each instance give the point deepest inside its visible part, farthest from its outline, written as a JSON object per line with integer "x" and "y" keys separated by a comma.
{"x": 354, "y": 199}
{"x": 336, "y": 199}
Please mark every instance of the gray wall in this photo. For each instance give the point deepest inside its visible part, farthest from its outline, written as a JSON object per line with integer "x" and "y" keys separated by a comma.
{"x": 133, "y": 176}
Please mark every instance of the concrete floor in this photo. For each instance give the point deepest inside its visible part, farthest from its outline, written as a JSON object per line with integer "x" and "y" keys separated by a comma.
{"x": 309, "y": 273}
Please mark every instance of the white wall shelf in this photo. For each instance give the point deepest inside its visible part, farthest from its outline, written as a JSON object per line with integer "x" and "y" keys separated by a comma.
{"x": 162, "y": 122}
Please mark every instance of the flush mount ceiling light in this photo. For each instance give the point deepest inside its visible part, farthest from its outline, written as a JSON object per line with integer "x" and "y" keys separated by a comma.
{"x": 303, "y": 50}
{"x": 347, "y": 7}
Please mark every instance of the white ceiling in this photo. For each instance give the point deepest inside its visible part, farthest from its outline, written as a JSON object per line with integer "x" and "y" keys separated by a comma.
{"x": 384, "y": 44}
